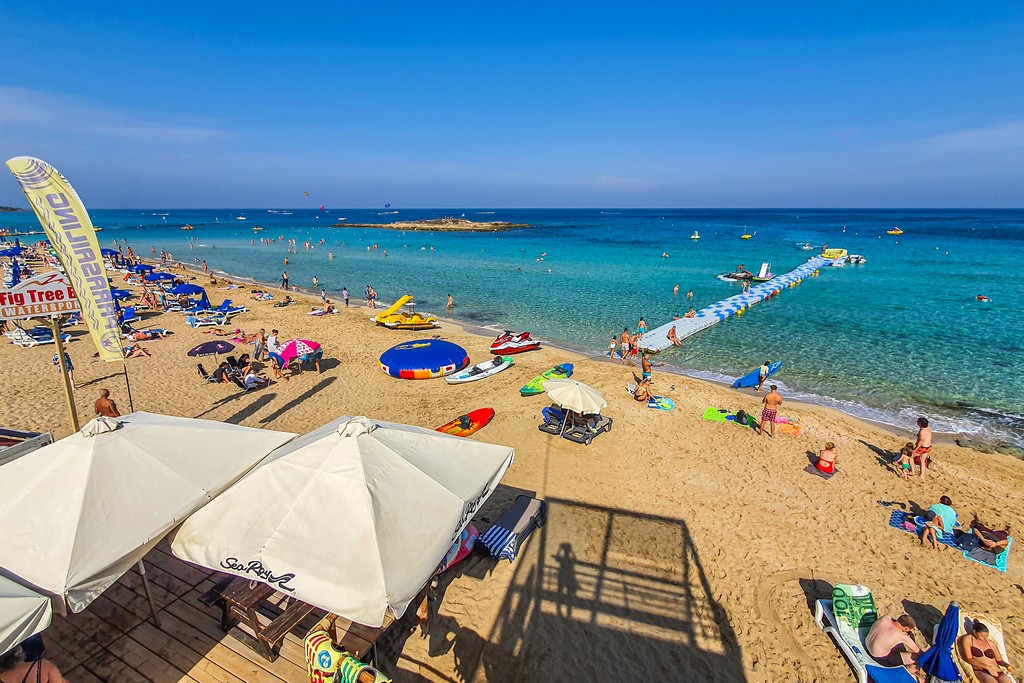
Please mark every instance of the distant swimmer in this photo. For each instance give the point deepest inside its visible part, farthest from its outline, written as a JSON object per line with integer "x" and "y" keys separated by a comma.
{"x": 451, "y": 301}
{"x": 664, "y": 254}
{"x": 982, "y": 297}
{"x": 675, "y": 290}
{"x": 689, "y": 294}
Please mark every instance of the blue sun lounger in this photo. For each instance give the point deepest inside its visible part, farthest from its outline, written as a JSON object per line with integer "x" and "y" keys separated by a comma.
{"x": 834, "y": 617}
{"x": 506, "y": 536}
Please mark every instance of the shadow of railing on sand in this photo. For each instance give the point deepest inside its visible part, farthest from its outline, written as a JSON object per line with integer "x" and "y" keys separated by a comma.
{"x": 590, "y": 600}
{"x": 322, "y": 384}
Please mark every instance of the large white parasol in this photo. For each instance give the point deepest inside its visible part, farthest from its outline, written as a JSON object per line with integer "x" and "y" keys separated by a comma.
{"x": 353, "y": 518}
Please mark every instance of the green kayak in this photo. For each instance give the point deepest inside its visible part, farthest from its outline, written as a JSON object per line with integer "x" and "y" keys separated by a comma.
{"x": 536, "y": 385}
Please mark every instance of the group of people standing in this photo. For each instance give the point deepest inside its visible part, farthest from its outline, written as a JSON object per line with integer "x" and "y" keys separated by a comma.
{"x": 627, "y": 343}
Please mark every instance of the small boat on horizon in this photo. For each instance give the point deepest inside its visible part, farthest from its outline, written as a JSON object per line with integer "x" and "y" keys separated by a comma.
{"x": 894, "y": 231}
{"x": 695, "y": 235}
{"x": 241, "y": 218}
{"x": 187, "y": 227}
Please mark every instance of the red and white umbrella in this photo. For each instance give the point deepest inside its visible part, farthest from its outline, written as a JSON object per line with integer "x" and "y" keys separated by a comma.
{"x": 296, "y": 348}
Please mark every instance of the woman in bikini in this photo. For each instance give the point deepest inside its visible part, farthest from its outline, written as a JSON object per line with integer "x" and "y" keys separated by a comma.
{"x": 983, "y": 655}
{"x": 642, "y": 393}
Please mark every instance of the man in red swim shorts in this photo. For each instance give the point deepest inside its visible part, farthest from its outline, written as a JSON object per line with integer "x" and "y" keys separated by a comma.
{"x": 772, "y": 400}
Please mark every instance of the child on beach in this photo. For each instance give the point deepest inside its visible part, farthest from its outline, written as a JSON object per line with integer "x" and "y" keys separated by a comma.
{"x": 611, "y": 349}
{"x": 827, "y": 459}
{"x": 904, "y": 460}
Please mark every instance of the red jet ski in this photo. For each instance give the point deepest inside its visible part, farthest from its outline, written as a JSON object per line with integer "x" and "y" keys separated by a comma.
{"x": 513, "y": 342}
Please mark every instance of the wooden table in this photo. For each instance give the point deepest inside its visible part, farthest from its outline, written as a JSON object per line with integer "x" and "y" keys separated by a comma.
{"x": 242, "y": 600}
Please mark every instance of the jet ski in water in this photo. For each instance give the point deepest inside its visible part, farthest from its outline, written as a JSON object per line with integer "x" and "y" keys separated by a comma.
{"x": 739, "y": 274}
{"x": 513, "y": 342}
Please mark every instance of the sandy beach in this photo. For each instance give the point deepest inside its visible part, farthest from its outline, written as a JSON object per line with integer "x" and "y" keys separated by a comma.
{"x": 675, "y": 548}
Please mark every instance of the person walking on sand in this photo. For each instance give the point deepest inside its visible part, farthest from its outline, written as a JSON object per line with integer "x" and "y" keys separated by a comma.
{"x": 624, "y": 340}
{"x": 105, "y": 406}
{"x": 611, "y": 349}
{"x": 344, "y": 295}
{"x": 323, "y": 295}
{"x": 762, "y": 375}
{"x": 645, "y": 368}
{"x": 71, "y": 368}
{"x": 284, "y": 280}
{"x": 923, "y": 445}
{"x": 369, "y": 296}
{"x": 772, "y": 400}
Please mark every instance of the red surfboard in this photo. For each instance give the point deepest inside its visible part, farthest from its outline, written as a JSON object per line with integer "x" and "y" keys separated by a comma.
{"x": 467, "y": 424}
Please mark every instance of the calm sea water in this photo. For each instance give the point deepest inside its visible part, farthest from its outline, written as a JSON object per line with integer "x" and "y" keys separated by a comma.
{"x": 900, "y": 336}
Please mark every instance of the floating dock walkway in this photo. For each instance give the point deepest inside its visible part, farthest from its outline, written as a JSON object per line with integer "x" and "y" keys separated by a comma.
{"x": 657, "y": 339}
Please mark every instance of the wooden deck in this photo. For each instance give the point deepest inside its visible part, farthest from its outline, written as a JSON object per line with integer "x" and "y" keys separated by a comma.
{"x": 114, "y": 639}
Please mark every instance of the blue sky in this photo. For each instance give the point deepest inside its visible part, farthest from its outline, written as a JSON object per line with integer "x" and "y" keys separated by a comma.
{"x": 463, "y": 105}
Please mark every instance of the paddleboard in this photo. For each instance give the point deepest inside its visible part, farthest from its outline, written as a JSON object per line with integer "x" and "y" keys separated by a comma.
{"x": 464, "y": 425}
{"x": 751, "y": 379}
{"x": 460, "y": 550}
{"x": 536, "y": 385}
{"x": 481, "y": 370}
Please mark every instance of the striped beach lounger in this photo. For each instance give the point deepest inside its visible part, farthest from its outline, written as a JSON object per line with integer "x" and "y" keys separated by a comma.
{"x": 506, "y": 536}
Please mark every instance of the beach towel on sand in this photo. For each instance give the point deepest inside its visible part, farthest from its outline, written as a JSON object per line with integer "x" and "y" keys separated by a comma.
{"x": 904, "y": 522}
{"x": 721, "y": 415}
{"x": 812, "y": 469}
{"x": 990, "y": 559}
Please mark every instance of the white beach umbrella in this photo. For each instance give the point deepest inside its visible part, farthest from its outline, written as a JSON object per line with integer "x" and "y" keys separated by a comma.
{"x": 77, "y": 514}
{"x": 575, "y": 396}
{"x": 23, "y": 613}
{"x": 353, "y": 518}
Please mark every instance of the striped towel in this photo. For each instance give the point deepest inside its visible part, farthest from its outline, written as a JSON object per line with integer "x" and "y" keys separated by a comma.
{"x": 899, "y": 518}
{"x": 501, "y": 542}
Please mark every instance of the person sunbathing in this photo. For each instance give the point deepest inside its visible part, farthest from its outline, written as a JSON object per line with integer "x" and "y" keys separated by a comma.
{"x": 221, "y": 373}
{"x": 673, "y": 338}
{"x": 245, "y": 365}
{"x": 983, "y": 655}
{"x": 642, "y": 392}
{"x": 690, "y": 313}
{"x": 827, "y": 459}
{"x": 284, "y": 302}
{"x": 146, "y": 335}
{"x": 992, "y": 540}
{"x": 890, "y": 644}
{"x": 134, "y": 351}
{"x": 940, "y": 519}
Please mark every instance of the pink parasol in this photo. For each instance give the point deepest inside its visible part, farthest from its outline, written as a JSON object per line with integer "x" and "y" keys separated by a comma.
{"x": 296, "y": 348}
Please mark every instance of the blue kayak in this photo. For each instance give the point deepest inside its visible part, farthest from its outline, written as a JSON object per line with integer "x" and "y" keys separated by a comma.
{"x": 751, "y": 379}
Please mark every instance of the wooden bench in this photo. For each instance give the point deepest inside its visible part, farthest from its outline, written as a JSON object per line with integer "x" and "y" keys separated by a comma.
{"x": 242, "y": 601}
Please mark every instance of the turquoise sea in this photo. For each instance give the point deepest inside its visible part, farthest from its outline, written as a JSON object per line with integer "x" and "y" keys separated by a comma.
{"x": 901, "y": 336}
